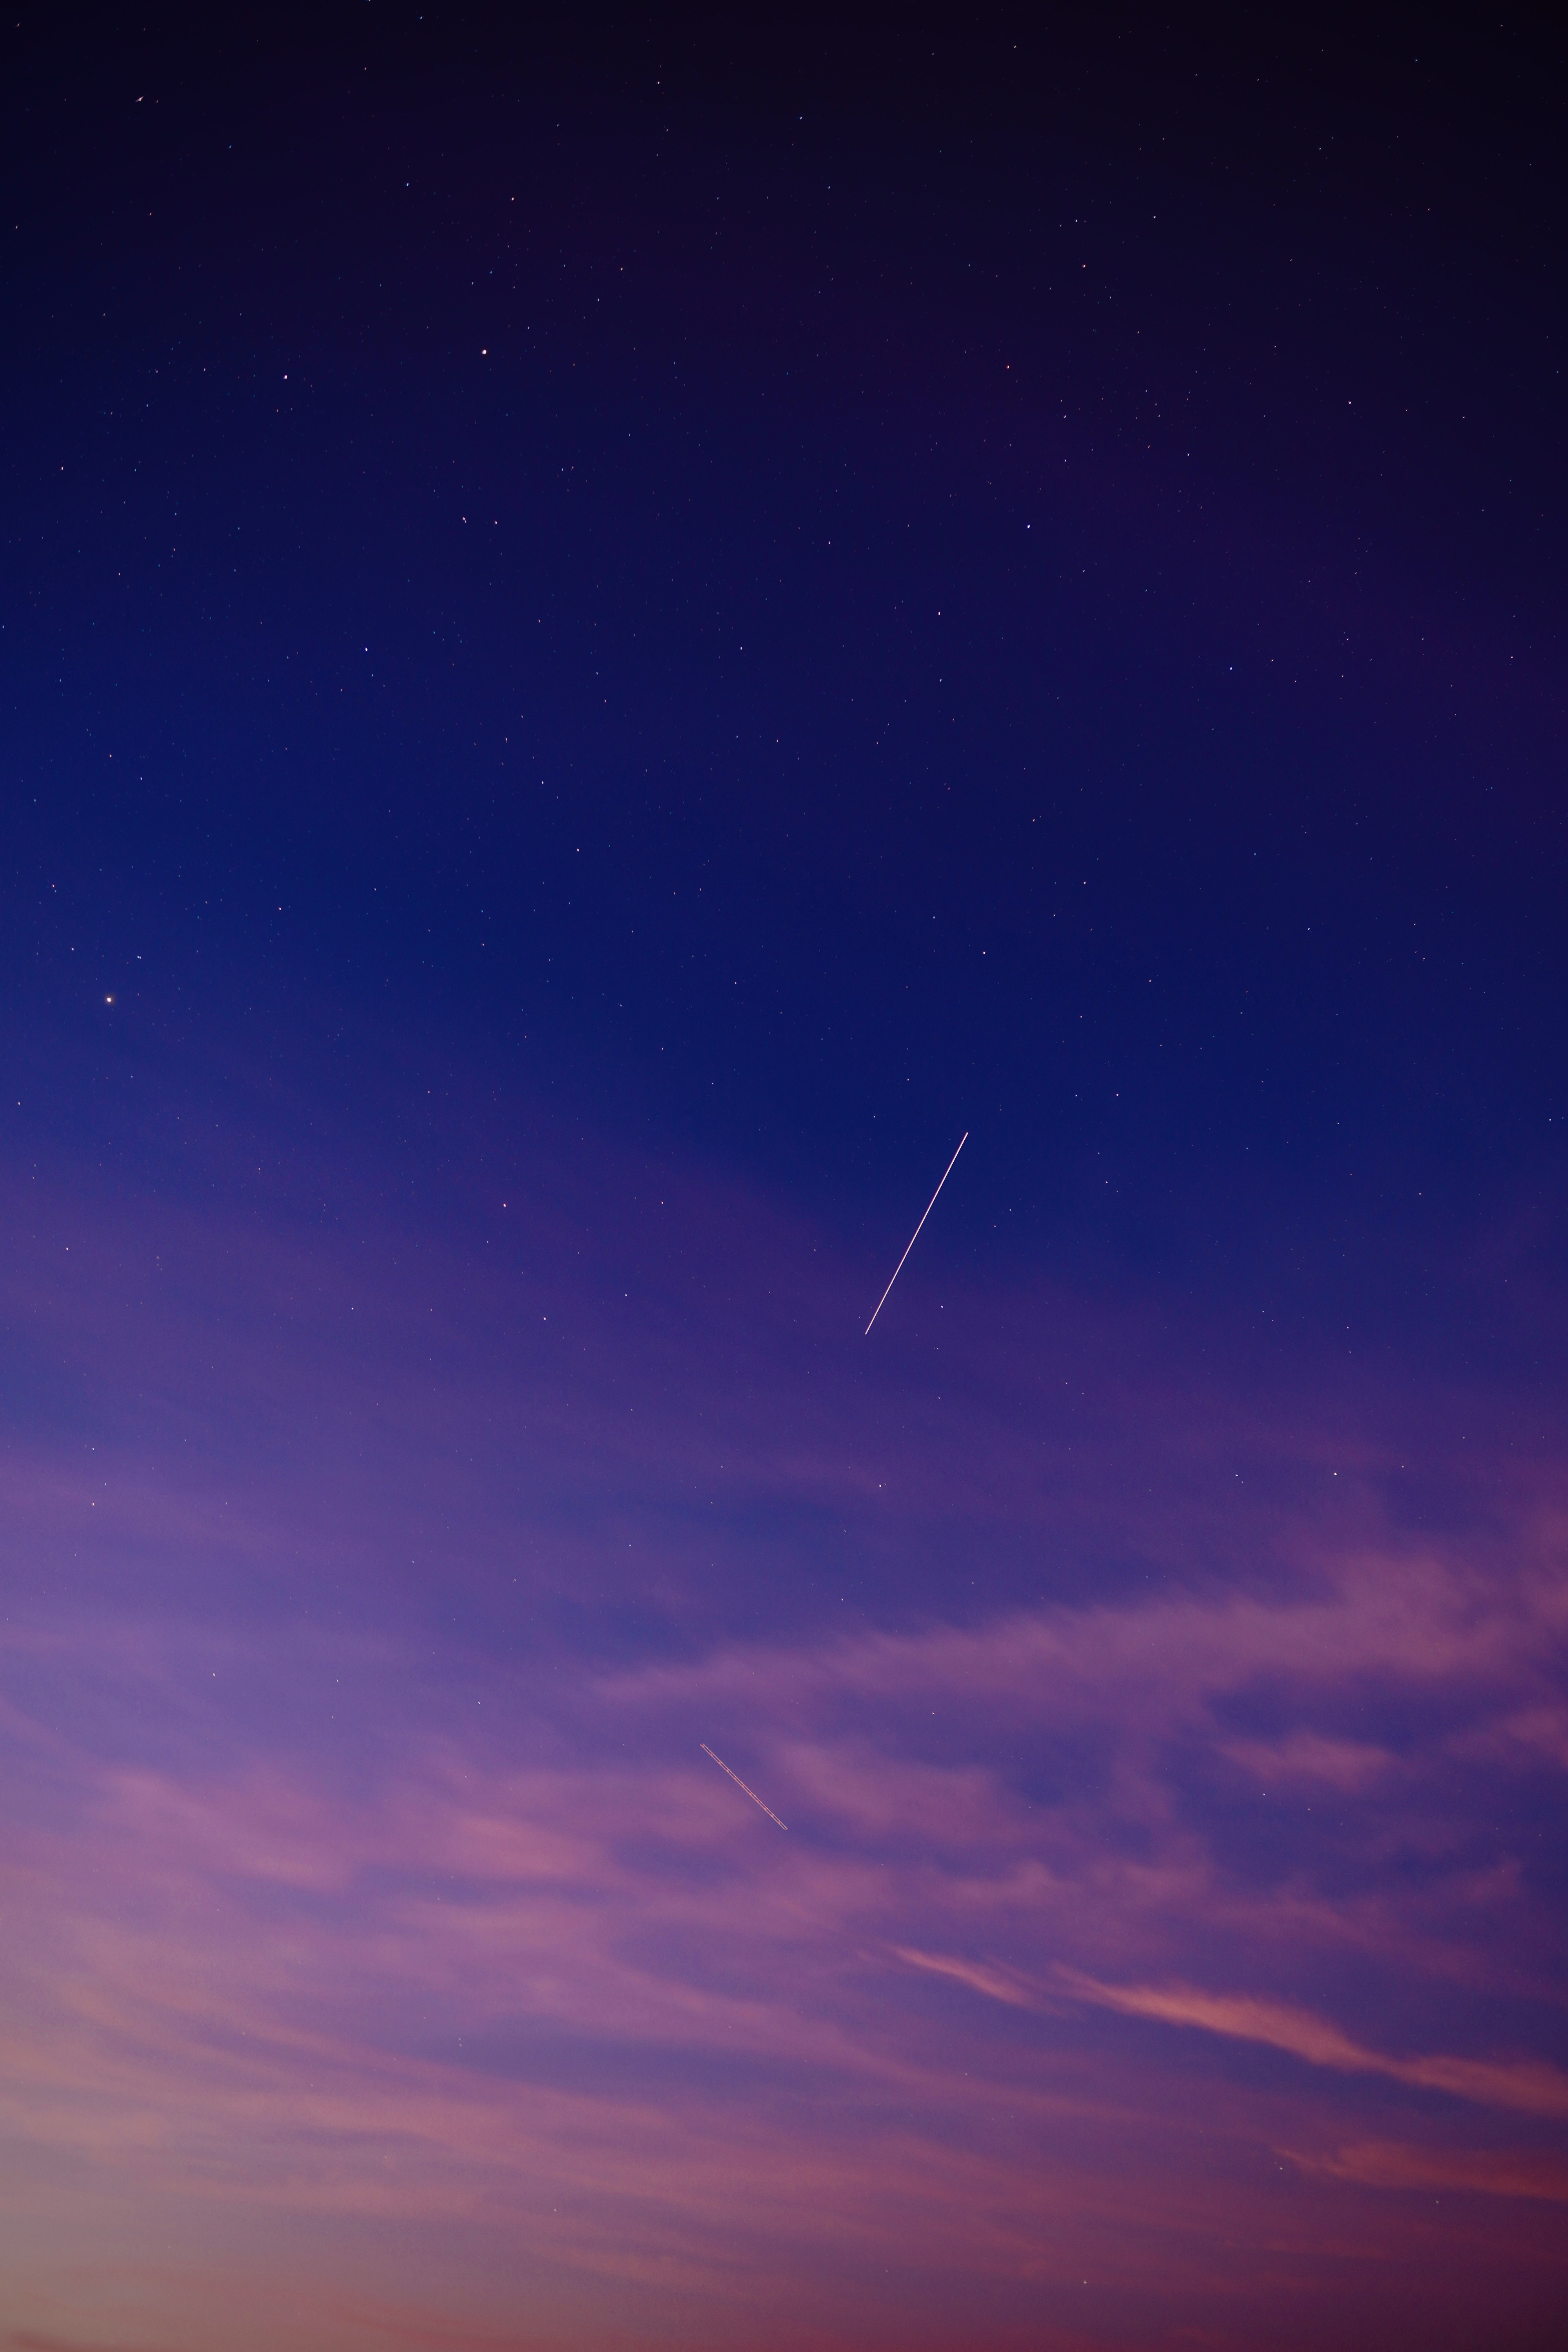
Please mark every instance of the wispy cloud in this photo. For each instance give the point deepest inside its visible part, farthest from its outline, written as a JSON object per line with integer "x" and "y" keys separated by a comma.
{"x": 1486, "y": 2172}
{"x": 1529, "y": 2089}
{"x": 992, "y": 1983}
{"x": 333, "y": 1908}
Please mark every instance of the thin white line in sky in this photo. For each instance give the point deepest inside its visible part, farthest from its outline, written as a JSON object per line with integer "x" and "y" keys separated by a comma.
{"x": 915, "y": 1236}
{"x": 740, "y": 1784}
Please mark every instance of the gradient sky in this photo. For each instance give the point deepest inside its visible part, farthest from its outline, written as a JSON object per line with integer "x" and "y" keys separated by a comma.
{"x": 609, "y": 639}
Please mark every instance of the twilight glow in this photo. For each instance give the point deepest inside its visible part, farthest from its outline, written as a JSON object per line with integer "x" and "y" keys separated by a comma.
{"x": 606, "y": 649}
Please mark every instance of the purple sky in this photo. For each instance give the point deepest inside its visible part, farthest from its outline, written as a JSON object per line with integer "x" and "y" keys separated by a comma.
{"x": 1168, "y": 1911}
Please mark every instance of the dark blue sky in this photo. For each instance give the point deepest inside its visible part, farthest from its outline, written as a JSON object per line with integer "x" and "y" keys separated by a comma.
{"x": 808, "y": 590}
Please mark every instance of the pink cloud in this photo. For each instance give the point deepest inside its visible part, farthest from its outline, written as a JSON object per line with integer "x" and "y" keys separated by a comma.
{"x": 1535, "y": 2089}
{"x": 1506, "y": 2172}
{"x": 347, "y": 1897}
{"x": 989, "y": 1981}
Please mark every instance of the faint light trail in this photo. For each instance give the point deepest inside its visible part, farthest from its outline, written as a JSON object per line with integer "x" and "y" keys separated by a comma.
{"x": 740, "y": 1784}
{"x": 915, "y": 1236}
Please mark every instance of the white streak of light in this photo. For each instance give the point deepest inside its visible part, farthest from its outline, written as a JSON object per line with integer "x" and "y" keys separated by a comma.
{"x": 740, "y": 1784}
{"x": 915, "y": 1236}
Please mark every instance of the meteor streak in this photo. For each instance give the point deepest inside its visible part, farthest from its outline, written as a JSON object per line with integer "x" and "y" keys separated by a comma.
{"x": 740, "y": 1784}
{"x": 915, "y": 1236}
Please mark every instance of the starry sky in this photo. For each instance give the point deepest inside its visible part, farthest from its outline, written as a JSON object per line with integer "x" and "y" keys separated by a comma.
{"x": 610, "y": 635}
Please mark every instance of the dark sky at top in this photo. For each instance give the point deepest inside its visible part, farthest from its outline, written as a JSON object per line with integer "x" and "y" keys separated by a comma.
{"x": 612, "y": 631}
{"x": 803, "y": 586}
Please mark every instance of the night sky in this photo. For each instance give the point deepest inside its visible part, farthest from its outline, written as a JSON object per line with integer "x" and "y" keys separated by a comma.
{"x": 611, "y": 633}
